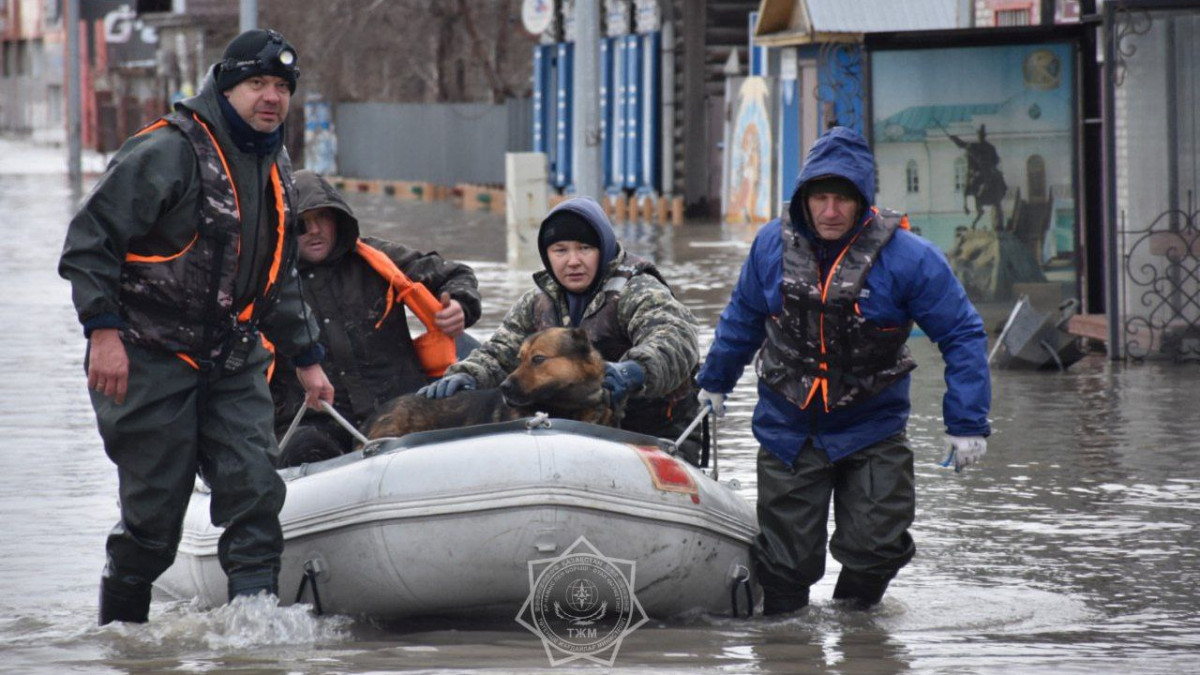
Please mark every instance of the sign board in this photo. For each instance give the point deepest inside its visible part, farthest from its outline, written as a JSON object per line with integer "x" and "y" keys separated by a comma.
{"x": 130, "y": 42}
{"x": 537, "y": 15}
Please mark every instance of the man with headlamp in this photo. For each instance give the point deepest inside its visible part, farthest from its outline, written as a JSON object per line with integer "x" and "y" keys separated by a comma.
{"x": 182, "y": 262}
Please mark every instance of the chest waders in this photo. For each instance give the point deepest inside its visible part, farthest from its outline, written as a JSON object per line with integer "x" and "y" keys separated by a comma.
{"x": 183, "y": 304}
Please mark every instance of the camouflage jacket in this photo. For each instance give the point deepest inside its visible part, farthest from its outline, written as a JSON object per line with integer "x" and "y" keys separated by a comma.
{"x": 660, "y": 328}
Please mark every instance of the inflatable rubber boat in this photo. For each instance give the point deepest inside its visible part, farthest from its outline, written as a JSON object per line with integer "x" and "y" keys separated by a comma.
{"x": 448, "y": 522}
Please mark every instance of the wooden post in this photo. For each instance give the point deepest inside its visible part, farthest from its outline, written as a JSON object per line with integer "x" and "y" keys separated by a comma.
{"x": 467, "y": 201}
{"x": 660, "y": 212}
{"x": 677, "y": 211}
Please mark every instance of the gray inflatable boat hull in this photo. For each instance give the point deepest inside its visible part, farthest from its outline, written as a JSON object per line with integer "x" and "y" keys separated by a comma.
{"x": 447, "y": 523}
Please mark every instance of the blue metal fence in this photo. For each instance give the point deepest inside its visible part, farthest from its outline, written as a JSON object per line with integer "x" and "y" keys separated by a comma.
{"x": 633, "y": 102}
{"x": 651, "y": 110}
{"x": 543, "y": 77}
{"x": 564, "y": 81}
{"x": 630, "y": 111}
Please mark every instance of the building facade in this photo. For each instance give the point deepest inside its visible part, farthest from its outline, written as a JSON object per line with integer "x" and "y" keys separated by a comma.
{"x": 31, "y": 69}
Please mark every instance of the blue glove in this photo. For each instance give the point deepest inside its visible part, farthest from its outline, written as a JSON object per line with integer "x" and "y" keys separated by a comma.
{"x": 623, "y": 378}
{"x": 447, "y": 386}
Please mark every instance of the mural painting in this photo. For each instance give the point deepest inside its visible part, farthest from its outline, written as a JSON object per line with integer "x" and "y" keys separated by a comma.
{"x": 749, "y": 170}
{"x": 977, "y": 145}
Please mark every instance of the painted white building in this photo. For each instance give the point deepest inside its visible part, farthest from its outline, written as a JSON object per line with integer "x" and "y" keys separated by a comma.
{"x": 921, "y": 171}
{"x": 1031, "y": 133}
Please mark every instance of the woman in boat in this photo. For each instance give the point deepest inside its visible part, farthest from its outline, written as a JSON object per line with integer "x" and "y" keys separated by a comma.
{"x": 647, "y": 336}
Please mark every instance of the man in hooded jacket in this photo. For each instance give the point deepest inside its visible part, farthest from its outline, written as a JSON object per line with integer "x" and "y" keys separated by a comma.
{"x": 647, "y": 336}
{"x": 829, "y": 293}
{"x": 371, "y": 356}
{"x": 179, "y": 258}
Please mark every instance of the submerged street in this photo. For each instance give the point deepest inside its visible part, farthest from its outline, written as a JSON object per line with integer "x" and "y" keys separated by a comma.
{"x": 1073, "y": 547}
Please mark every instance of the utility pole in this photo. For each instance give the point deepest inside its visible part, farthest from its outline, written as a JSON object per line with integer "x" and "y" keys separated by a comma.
{"x": 585, "y": 132}
{"x": 248, "y": 16}
{"x": 74, "y": 100}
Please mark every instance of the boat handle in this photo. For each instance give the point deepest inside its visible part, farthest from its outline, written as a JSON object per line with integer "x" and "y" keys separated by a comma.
{"x": 312, "y": 569}
{"x": 741, "y": 579}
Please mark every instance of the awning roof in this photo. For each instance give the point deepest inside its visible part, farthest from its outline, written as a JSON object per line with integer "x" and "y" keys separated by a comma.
{"x": 797, "y": 22}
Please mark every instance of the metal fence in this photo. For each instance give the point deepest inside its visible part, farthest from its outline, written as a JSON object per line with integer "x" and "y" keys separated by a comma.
{"x": 1153, "y": 57}
{"x": 441, "y": 143}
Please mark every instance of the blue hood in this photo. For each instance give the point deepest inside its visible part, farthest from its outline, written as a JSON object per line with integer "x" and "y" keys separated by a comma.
{"x": 593, "y": 213}
{"x": 841, "y": 151}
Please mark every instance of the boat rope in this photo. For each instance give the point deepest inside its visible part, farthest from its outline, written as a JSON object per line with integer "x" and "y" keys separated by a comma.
{"x": 704, "y": 410}
{"x": 344, "y": 422}
{"x": 715, "y": 473}
{"x": 292, "y": 428}
{"x": 741, "y": 579}
{"x": 287, "y": 436}
{"x": 538, "y": 420}
{"x": 311, "y": 570}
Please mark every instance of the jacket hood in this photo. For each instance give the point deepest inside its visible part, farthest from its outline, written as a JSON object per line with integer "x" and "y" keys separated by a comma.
{"x": 592, "y": 214}
{"x": 843, "y": 152}
{"x": 205, "y": 104}
{"x": 314, "y": 192}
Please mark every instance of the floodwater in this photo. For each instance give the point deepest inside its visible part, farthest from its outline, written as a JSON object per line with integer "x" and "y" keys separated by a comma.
{"x": 1071, "y": 549}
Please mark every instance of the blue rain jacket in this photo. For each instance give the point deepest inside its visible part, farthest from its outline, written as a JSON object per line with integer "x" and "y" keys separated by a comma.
{"x": 910, "y": 280}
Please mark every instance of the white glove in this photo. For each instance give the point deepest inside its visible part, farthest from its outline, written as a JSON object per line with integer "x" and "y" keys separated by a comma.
{"x": 964, "y": 451}
{"x": 717, "y": 401}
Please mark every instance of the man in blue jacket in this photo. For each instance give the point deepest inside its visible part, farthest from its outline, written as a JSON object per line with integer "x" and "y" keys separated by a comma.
{"x": 830, "y": 292}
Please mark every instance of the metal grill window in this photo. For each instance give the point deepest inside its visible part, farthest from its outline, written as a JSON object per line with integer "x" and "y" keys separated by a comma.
{"x": 1012, "y": 17}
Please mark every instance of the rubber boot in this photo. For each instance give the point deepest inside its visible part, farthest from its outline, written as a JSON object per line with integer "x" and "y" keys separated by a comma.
{"x": 858, "y": 590}
{"x": 121, "y": 601}
{"x": 254, "y": 583}
{"x": 777, "y": 602}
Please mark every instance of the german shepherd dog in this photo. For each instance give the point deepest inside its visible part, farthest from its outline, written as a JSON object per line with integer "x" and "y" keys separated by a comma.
{"x": 560, "y": 374}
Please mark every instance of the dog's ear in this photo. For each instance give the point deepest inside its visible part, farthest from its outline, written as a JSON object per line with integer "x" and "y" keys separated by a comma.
{"x": 581, "y": 344}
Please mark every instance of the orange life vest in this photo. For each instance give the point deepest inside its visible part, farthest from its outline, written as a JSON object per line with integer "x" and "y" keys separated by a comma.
{"x": 435, "y": 350}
